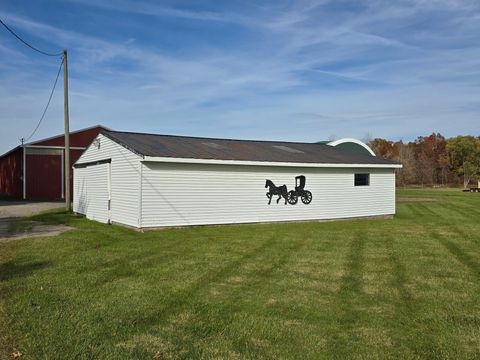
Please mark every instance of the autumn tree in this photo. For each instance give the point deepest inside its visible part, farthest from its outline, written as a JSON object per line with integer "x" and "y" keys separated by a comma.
{"x": 426, "y": 161}
{"x": 382, "y": 148}
{"x": 430, "y": 153}
{"x": 406, "y": 175}
{"x": 464, "y": 157}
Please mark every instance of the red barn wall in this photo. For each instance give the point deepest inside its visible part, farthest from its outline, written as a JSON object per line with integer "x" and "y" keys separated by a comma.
{"x": 77, "y": 139}
{"x": 43, "y": 171}
{"x": 11, "y": 173}
{"x": 44, "y": 177}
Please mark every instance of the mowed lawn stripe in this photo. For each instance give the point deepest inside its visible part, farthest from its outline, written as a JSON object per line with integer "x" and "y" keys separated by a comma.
{"x": 402, "y": 288}
{"x": 410, "y": 337}
{"x": 460, "y": 211}
{"x": 461, "y": 255}
{"x": 345, "y": 338}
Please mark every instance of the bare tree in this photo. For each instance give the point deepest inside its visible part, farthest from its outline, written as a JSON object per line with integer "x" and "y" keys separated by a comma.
{"x": 332, "y": 137}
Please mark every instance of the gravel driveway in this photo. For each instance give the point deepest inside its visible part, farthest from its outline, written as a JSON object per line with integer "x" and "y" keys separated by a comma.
{"x": 14, "y": 211}
{"x": 24, "y": 208}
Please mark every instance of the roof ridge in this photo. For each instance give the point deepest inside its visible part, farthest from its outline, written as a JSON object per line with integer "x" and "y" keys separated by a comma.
{"x": 189, "y": 147}
{"x": 212, "y": 138}
{"x": 71, "y": 133}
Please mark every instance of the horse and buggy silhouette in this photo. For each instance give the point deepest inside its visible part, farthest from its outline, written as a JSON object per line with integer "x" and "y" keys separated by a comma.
{"x": 291, "y": 196}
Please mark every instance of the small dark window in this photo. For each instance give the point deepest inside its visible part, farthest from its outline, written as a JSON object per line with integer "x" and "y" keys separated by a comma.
{"x": 362, "y": 179}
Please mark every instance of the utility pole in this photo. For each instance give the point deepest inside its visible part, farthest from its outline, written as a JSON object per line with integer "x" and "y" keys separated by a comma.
{"x": 67, "y": 132}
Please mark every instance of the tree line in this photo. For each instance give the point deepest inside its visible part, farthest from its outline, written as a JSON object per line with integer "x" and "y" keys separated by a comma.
{"x": 433, "y": 160}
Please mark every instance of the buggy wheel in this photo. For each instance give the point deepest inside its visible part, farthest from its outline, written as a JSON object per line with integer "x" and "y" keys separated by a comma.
{"x": 292, "y": 198}
{"x": 307, "y": 197}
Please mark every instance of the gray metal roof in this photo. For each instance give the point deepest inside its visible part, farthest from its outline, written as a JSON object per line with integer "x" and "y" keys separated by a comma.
{"x": 245, "y": 150}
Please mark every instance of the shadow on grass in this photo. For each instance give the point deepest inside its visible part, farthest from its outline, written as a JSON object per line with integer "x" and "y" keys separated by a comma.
{"x": 10, "y": 269}
{"x": 62, "y": 217}
{"x": 175, "y": 303}
{"x": 55, "y": 217}
{"x": 188, "y": 297}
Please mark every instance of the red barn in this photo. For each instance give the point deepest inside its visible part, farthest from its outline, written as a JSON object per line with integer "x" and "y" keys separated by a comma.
{"x": 35, "y": 171}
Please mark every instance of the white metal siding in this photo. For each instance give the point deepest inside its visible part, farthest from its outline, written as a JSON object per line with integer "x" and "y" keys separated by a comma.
{"x": 125, "y": 179}
{"x": 97, "y": 189}
{"x": 190, "y": 194}
{"x": 92, "y": 188}
{"x": 80, "y": 190}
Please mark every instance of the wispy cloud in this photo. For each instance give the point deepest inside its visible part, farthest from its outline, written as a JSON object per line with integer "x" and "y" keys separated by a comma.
{"x": 160, "y": 10}
{"x": 296, "y": 71}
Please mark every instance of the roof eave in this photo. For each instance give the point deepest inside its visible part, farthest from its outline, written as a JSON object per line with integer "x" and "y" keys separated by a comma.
{"x": 71, "y": 133}
{"x": 11, "y": 151}
{"x": 159, "y": 159}
{"x": 109, "y": 135}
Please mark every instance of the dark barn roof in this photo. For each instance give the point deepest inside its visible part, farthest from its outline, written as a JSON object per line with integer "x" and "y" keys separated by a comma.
{"x": 78, "y": 138}
{"x": 243, "y": 150}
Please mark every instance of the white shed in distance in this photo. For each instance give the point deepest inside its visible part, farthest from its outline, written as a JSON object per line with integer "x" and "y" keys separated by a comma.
{"x": 148, "y": 181}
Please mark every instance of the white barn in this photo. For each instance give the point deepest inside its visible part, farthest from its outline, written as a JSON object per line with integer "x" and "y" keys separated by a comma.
{"x": 148, "y": 181}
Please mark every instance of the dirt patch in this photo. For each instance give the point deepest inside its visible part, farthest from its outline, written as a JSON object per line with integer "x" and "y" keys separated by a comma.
{"x": 13, "y": 226}
{"x": 418, "y": 199}
{"x": 15, "y": 229}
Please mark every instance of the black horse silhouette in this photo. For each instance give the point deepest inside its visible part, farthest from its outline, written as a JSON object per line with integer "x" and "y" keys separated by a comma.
{"x": 274, "y": 190}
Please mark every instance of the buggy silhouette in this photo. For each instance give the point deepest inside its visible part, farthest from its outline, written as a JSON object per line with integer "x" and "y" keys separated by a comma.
{"x": 299, "y": 192}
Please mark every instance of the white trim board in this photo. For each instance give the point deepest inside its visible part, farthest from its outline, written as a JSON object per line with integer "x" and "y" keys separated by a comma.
{"x": 351, "y": 140}
{"x": 266, "y": 163}
{"x": 53, "y": 147}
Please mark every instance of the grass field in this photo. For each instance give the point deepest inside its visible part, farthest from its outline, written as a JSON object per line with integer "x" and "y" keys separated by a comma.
{"x": 403, "y": 288}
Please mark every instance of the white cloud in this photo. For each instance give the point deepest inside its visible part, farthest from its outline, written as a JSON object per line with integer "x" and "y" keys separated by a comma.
{"x": 375, "y": 71}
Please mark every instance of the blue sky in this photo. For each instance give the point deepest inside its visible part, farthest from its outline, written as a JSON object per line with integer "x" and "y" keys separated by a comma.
{"x": 283, "y": 70}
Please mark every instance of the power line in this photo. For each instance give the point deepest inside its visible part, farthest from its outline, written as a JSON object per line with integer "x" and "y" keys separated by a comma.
{"x": 46, "y": 107}
{"x": 63, "y": 63}
{"x": 27, "y": 44}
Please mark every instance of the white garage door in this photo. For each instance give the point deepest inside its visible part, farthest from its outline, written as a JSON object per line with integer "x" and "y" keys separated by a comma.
{"x": 79, "y": 190}
{"x": 92, "y": 192}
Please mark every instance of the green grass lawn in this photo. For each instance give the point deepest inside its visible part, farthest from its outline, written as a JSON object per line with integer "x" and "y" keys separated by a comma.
{"x": 402, "y": 288}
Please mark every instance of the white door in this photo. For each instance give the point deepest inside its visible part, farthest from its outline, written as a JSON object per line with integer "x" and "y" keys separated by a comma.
{"x": 79, "y": 190}
{"x": 97, "y": 204}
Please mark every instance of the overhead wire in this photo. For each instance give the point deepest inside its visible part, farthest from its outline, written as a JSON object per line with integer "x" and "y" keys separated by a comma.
{"x": 48, "y": 104}
{"x": 26, "y": 43}
{"x": 54, "y": 84}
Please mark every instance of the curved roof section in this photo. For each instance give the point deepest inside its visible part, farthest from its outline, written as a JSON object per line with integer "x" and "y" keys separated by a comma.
{"x": 351, "y": 144}
{"x": 168, "y": 146}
